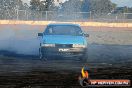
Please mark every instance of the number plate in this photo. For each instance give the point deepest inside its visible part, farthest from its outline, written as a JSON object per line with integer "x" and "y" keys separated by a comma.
{"x": 63, "y": 50}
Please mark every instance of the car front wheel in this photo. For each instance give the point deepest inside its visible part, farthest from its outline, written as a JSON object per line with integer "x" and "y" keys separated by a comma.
{"x": 41, "y": 56}
{"x": 84, "y": 58}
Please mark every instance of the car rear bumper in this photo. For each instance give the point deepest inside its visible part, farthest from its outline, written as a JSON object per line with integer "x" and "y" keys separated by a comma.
{"x": 63, "y": 52}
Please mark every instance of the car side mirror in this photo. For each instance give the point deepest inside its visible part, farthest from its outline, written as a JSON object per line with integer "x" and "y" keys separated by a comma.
{"x": 40, "y": 34}
{"x": 86, "y": 35}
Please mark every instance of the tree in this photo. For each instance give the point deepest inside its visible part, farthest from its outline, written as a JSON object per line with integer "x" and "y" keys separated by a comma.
{"x": 72, "y": 6}
{"x": 35, "y": 4}
{"x": 86, "y": 6}
{"x": 8, "y": 8}
{"x": 44, "y": 5}
{"x": 98, "y": 6}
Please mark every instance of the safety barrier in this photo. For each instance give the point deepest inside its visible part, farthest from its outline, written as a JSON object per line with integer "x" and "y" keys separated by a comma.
{"x": 92, "y": 24}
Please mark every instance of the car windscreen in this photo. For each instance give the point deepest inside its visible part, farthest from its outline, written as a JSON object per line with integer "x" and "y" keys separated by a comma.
{"x": 63, "y": 30}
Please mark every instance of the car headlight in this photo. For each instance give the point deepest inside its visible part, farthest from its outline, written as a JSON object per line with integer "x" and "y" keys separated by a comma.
{"x": 48, "y": 45}
{"x": 78, "y": 46}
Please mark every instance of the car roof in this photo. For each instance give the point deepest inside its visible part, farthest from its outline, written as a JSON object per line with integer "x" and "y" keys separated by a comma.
{"x": 63, "y": 24}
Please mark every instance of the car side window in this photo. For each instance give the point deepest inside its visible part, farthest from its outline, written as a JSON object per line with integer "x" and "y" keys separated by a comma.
{"x": 50, "y": 30}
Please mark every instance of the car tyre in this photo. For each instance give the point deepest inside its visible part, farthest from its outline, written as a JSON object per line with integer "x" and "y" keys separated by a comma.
{"x": 84, "y": 58}
{"x": 41, "y": 56}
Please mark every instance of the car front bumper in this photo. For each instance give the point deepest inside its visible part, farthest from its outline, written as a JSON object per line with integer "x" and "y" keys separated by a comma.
{"x": 63, "y": 52}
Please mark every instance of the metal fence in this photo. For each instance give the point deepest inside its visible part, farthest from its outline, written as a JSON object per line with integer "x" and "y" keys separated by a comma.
{"x": 63, "y": 16}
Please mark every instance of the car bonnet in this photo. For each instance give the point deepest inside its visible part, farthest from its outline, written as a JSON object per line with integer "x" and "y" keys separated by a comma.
{"x": 63, "y": 39}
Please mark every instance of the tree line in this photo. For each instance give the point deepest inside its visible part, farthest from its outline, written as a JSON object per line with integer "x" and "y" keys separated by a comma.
{"x": 97, "y": 6}
{"x": 69, "y": 6}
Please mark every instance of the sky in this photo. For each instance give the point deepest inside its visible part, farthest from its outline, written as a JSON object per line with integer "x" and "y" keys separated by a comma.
{"x": 119, "y": 3}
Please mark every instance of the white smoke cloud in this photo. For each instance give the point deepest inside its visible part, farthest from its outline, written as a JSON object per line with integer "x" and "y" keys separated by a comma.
{"x": 19, "y": 39}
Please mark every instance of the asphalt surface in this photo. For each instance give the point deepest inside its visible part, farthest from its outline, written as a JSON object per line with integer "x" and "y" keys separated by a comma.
{"x": 103, "y": 62}
{"x": 99, "y": 56}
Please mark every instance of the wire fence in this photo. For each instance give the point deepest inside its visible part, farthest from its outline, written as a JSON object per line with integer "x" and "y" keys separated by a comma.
{"x": 63, "y": 16}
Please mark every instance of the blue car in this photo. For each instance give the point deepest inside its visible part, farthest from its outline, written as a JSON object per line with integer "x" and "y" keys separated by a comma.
{"x": 63, "y": 40}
